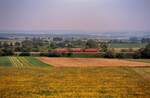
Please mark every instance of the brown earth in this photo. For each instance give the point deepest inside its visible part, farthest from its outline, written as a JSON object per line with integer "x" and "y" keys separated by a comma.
{"x": 90, "y": 62}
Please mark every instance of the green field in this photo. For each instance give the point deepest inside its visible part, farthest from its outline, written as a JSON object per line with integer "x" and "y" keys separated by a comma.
{"x": 127, "y": 45}
{"x": 4, "y": 61}
{"x": 25, "y": 80}
{"x": 21, "y": 62}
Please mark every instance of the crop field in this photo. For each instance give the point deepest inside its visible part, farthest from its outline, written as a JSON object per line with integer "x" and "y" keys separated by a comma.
{"x": 4, "y": 61}
{"x": 21, "y": 62}
{"x": 27, "y": 78}
{"x": 127, "y": 45}
{"x": 90, "y": 62}
{"x": 140, "y": 60}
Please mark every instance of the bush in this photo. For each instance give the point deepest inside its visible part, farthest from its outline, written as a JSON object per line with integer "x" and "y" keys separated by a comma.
{"x": 2, "y": 53}
{"x": 25, "y": 54}
{"x": 124, "y": 55}
{"x": 137, "y": 55}
{"x": 51, "y": 54}
{"x": 44, "y": 54}
{"x": 7, "y": 52}
{"x": 145, "y": 53}
{"x": 120, "y": 55}
{"x": 69, "y": 54}
{"x": 109, "y": 54}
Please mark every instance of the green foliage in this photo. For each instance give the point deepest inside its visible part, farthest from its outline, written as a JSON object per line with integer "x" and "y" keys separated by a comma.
{"x": 109, "y": 54}
{"x": 146, "y": 51}
{"x": 104, "y": 46}
{"x": 24, "y": 54}
{"x": 7, "y": 52}
{"x": 91, "y": 44}
{"x": 127, "y": 45}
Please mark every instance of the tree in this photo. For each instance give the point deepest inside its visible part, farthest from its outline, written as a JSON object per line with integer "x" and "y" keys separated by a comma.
{"x": 145, "y": 53}
{"x": 17, "y": 44}
{"x": 1, "y": 52}
{"x": 91, "y": 44}
{"x": 0, "y": 44}
{"x": 8, "y": 51}
{"x": 25, "y": 54}
{"x": 104, "y": 46}
{"x": 5, "y": 45}
{"x": 145, "y": 40}
{"x": 53, "y": 45}
{"x": 109, "y": 54}
{"x": 27, "y": 46}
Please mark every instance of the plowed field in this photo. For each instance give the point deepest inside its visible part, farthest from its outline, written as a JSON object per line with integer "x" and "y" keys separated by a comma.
{"x": 86, "y": 62}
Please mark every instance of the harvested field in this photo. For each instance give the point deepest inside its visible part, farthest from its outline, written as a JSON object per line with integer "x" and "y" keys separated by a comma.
{"x": 65, "y": 82}
{"x": 90, "y": 62}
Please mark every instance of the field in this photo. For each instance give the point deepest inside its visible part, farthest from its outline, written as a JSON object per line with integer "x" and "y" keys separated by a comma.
{"x": 90, "y": 62}
{"x": 25, "y": 62}
{"x": 127, "y": 45}
{"x": 140, "y": 60}
{"x": 27, "y": 78}
{"x": 4, "y": 61}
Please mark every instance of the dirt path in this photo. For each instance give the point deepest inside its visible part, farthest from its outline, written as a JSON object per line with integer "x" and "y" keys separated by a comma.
{"x": 85, "y": 62}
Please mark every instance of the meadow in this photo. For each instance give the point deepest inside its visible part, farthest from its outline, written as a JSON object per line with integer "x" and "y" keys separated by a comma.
{"x": 27, "y": 78}
{"x": 127, "y": 45}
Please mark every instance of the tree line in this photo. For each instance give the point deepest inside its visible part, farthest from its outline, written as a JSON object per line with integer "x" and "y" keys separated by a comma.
{"x": 39, "y": 45}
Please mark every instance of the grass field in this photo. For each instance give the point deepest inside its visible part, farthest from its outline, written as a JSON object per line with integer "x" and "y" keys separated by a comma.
{"x": 4, "y": 61}
{"x": 71, "y": 82}
{"x": 127, "y": 45}
{"x": 21, "y": 62}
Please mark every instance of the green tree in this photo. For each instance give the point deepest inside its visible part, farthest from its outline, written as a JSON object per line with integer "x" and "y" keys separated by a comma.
{"x": 27, "y": 46}
{"x": 145, "y": 53}
{"x": 5, "y": 45}
{"x": 1, "y": 45}
{"x": 104, "y": 46}
{"x": 91, "y": 44}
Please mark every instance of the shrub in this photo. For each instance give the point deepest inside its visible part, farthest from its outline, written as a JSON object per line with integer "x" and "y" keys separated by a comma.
{"x": 54, "y": 54}
{"x": 25, "y": 54}
{"x": 2, "y": 53}
{"x": 145, "y": 53}
{"x": 120, "y": 55}
{"x": 69, "y": 54}
{"x": 44, "y": 54}
{"x": 137, "y": 55}
{"x": 7, "y": 52}
{"x": 109, "y": 54}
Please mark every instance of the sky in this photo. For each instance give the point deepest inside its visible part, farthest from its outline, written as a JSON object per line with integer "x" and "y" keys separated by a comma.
{"x": 78, "y": 15}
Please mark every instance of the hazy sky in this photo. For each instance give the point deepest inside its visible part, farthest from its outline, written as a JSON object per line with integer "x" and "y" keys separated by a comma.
{"x": 84, "y": 15}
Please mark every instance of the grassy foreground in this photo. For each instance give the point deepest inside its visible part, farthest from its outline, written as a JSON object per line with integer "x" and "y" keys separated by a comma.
{"x": 25, "y": 80}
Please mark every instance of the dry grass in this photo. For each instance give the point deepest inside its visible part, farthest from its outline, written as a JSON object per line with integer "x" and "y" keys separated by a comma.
{"x": 86, "y": 62}
{"x": 62, "y": 82}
